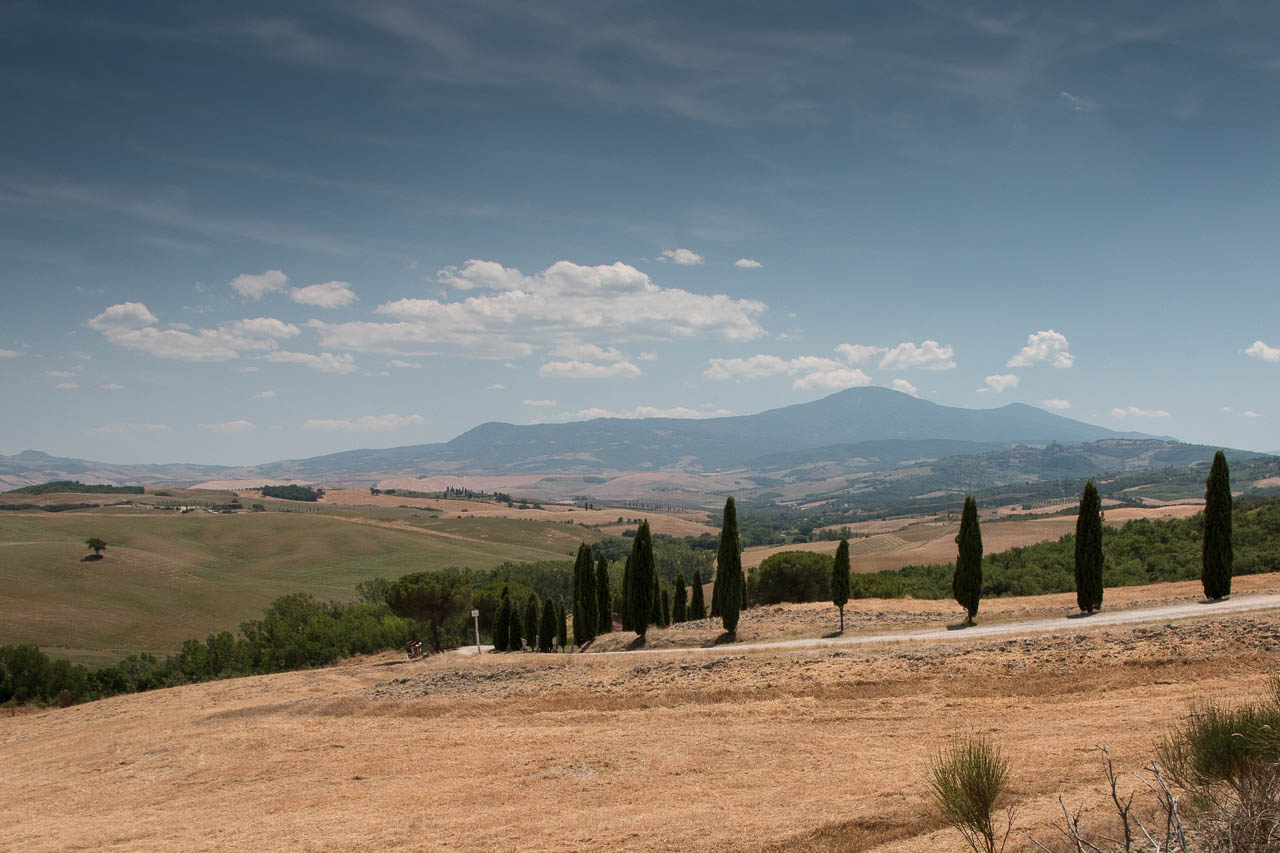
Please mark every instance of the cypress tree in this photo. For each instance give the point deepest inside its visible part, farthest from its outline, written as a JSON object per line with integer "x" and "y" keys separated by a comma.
{"x": 966, "y": 584}
{"x": 655, "y": 612}
{"x": 698, "y": 606}
{"x": 501, "y": 623}
{"x": 715, "y": 593}
{"x": 531, "y": 620}
{"x": 729, "y": 581}
{"x": 666, "y": 607}
{"x": 515, "y": 627}
{"x": 1216, "y": 555}
{"x": 585, "y": 602}
{"x": 1089, "y": 550}
{"x": 679, "y": 610}
{"x": 547, "y": 628}
{"x": 625, "y": 614}
{"x": 604, "y": 599}
{"x": 840, "y": 579}
{"x": 643, "y": 579}
{"x": 562, "y": 632}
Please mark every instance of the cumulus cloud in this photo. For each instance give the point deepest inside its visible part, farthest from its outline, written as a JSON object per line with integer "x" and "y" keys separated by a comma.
{"x": 228, "y": 427}
{"x": 1057, "y": 403}
{"x": 510, "y": 314}
{"x": 747, "y": 264}
{"x": 1046, "y": 345}
{"x": 683, "y": 257}
{"x": 367, "y": 423}
{"x": 588, "y": 370}
{"x": 133, "y": 326}
{"x": 928, "y": 355}
{"x": 1139, "y": 413}
{"x": 126, "y": 428}
{"x": 1001, "y": 382}
{"x": 859, "y": 353}
{"x": 257, "y": 286}
{"x": 905, "y": 387}
{"x": 331, "y": 294}
{"x": 1263, "y": 352}
{"x": 325, "y": 362}
{"x": 540, "y": 403}
{"x": 811, "y": 372}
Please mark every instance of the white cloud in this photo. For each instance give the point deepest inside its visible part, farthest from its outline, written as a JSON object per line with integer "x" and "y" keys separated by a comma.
{"x": 10, "y": 353}
{"x": 131, "y": 325}
{"x": 325, "y": 362}
{"x": 1001, "y": 382}
{"x": 257, "y": 286}
{"x": 497, "y": 386}
{"x": 367, "y": 423}
{"x": 1250, "y": 413}
{"x": 404, "y": 365}
{"x": 124, "y": 429}
{"x": 905, "y": 387}
{"x": 566, "y": 304}
{"x": 229, "y": 426}
{"x": 642, "y": 412}
{"x": 1139, "y": 413}
{"x": 587, "y": 370}
{"x": 586, "y": 352}
{"x": 1057, "y": 403}
{"x": 683, "y": 257}
{"x": 1046, "y": 345}
{"x": 1078, "y": 103}
{"x": 331, "y": 294}
{"x": 811, "y": 372}
{"x": 63, "y": 374}
{"x": 928, "y": 355}
{"x": 1261, "y": 351}
{"x": 112, "y": 386}
{"x": 859, "y": 353}
{"x": 540, "y": 403}
{"x": 747, "y": 264}
{"x": 66, "y": 386}
{"x": 266, "y": 395}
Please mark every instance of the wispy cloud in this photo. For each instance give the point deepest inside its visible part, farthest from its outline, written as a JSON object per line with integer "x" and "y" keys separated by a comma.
{"x": 810, "y": 372}
{"x": 1057, "y": 403}
{"x": 365, "y": 423}
{"x": 747, "y": 264}
{"x": 1136, "y": 412}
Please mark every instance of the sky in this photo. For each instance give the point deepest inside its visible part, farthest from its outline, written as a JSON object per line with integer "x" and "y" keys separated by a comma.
{"x": 233, "y": 233}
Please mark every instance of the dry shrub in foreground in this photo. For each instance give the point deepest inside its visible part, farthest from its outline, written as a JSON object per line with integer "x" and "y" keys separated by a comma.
{"x": 966, "y": 780}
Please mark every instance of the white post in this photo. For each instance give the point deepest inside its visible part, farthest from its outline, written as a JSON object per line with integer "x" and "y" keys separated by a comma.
{"x": 475, "y": 614}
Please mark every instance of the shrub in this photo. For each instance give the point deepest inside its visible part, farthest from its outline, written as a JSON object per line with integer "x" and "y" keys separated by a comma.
{"x": 966, "y": 781}
{"x": 794, "y": 576}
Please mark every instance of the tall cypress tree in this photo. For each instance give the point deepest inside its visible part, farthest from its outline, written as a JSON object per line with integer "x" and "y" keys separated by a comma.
{"x": 547, "y": 626}
{"x": 655, "y": 612}
{"x": 585, "y": 603}
{"x": 501, "y": 622}
{"x": 679, "y": 610}
{"x": 604, "y": 599}
{"x": 624, "y": 610}
{"x": 729, "y": 580}
{"x": 1216, "y": 555}
{"x": 515, "y": 628}
{"x": 698, "y": 604}
{"x": 666, "y": 607}
{"x": 531, "y": 620}
{"x": 1089, "y": 550}
{"x": 840, "y": 579}
{"x": 562, "y": 627}
{"x": 966, "y": 584}
{"x": 643, "y": 577}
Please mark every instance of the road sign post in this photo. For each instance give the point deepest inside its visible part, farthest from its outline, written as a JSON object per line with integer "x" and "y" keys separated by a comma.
{"x": 475, "y": 614}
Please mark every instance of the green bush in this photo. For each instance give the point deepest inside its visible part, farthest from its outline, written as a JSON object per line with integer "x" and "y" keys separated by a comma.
{"x": 794, "y": 576}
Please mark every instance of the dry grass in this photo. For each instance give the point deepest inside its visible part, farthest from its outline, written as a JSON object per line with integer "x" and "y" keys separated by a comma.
{"x": 818, "y": 749}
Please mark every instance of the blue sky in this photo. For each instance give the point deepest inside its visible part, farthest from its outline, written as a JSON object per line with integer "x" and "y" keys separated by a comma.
{"x": 231, "y": 234}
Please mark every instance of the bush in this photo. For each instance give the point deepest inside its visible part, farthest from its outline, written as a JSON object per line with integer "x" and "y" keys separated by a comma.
{"x": 966, "y": 781}
{"x": 794, "y": 576}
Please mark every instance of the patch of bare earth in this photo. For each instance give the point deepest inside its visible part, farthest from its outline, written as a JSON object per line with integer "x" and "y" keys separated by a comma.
{"x": 811, "y": 749}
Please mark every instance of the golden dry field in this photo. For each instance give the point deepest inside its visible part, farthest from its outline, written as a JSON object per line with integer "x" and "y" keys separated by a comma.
{"x": 808, "y": 749}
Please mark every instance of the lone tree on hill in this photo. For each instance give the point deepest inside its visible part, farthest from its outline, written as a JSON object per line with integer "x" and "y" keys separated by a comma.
{"x": 433, "y": 597}
{"x": 698, "y": 604}
{"x": 966, "y": 584}
{"x": 624, "y": 613}
{"x": 562, "y": 628}
{"x": 502, "y": 622}
{"x": 96, "y": 545}
{"x": 730, "y": 583}
{"x": 1216, "y": 555}
{"x": 840, "y": 579}
{"x": 585, "y": 602}
{"x": 531, "y": 620}
{"x": 604, "y": 599}
{"x": 643, "y": 577}
{"x": 679, "y": 610}
{"x": 547, "y": 630}
{"x": 1089, "y": 550}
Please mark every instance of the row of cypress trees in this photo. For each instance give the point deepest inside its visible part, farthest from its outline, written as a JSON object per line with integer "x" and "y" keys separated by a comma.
{"x": 511, "y": 628}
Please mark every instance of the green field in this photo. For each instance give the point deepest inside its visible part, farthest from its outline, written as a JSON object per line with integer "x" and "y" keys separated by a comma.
{"x": 167, "y": 577}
